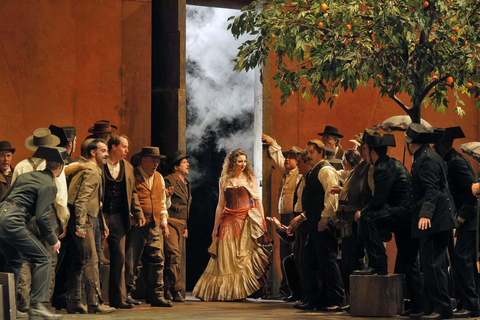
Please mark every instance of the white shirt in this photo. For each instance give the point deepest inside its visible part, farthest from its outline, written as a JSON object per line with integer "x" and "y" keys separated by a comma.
{"x": 113, "y": 168}
{"x": 148, "y": 180}
{"x": 300, "y": 187}
{"x": 61, "y": 200}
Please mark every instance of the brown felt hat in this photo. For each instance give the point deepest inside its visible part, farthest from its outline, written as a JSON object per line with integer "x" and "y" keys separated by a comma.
{"x": 6, "y": 146}
{"x": 102, "y": 126}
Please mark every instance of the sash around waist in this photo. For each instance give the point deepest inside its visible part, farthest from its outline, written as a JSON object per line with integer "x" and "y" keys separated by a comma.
{"x": 229, "y": 214}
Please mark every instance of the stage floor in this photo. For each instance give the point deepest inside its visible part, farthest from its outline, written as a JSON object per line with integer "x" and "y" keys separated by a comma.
{"x": 195, "y": 309}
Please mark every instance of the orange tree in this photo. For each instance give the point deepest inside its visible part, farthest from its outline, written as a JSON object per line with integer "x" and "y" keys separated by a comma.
{"x": 422, "y": 48}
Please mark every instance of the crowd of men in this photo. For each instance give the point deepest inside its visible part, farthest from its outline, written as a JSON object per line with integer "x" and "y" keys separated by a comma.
{"x": 323, "y": 208}
{"x": 56, "y": 213}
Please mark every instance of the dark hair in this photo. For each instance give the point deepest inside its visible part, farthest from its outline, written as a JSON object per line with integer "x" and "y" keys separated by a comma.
{"x": 353, "y": 157}
{"x": 84, "y": 146}
{"x": 52, "y": 165}
{"x": 93, "y": 145}
{"x": 116, "y": 140}
{"x": 380, "y": 151}
{"x": 303, "y": 155}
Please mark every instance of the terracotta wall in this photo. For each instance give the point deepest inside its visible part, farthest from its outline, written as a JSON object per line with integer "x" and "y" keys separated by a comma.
{"x": 298, "y": 121}
{"x": 73, "y": 63}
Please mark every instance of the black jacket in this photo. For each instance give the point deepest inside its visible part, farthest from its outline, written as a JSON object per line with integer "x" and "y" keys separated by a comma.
{"x": 430, "y": 193}
{"x": 461, "y": 176}
{"x": 392, "y": 188}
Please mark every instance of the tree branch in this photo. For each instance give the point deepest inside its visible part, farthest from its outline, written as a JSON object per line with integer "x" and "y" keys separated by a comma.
{"x": 401, "y": 104}
{"x": 430, "y": 86}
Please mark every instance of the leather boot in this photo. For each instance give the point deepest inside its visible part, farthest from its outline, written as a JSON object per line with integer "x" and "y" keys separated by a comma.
{"x": 178, "y": 297}
{"x": 39, "y": 311}
{"x": 161, "y": 302}
{"x": 76, "y": 306}
{"x": 100, "y": 308}
{"x": 168, "y": 295}
{"x": 132, "y": 301}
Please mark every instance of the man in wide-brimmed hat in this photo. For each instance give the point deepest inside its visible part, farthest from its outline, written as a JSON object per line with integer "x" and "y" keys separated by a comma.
{"x": 432, "y": 220}
{"x": 461, "y": 176}
{"x": 122, "y": 211}
{"x": 178, "y": 213}
{"x": 32, "y": 194}
{"x": 68, "y": 139}
{"x": 102, "y": 129}
{"x": 331, "y": 139}
{"x": 287, "y": 161}
{"x": 43, "y": 137}
{"x": 389, "y": 209}
{"x": 146, "y": 243}
{"x": 6, "y": 171}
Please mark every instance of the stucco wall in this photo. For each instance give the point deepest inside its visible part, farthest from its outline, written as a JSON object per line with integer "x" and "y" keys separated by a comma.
{"x": 73, "y": 63}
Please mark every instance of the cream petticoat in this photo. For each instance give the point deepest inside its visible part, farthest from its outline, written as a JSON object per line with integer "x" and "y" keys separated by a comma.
{"x": 240, "y": 263}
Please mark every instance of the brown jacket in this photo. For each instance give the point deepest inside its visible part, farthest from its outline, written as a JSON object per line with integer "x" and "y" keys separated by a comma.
{"x": 181, "y": 198}
{"x": 5, "y": 182}
{"x": 84, "y": 197}
{"x": 135, "y": 209}
{"x": 152, "y": 201}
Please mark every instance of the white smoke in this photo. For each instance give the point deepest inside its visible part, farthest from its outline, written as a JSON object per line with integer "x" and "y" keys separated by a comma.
{"x": 214, "y": 90}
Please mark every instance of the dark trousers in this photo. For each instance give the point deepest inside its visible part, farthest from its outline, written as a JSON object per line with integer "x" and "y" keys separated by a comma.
{"x": 407, "y": 248}
{"x": 173, "y": 246}
{"x": 301, "y": 235}
{"x": 145, "y": 250}
{"x": 328, "y": 273}
{"x": 25, "y": 282}
{"x": 31, "y": 249}
{"x": 117, "y": 292}
{"x": 353, "y": 257}
{"x": 464, "y": 266}
{"x": 292, "y": 277}
{"x": 85, "y": 262}
{"x": 286, "y": 249}
{"x": 433, "y": 250}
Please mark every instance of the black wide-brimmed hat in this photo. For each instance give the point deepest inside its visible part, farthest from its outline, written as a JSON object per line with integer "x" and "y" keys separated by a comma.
{"x": 66, "y": 134}
{"x": 294, "y": 150}
{"x": 418, "y": 134}
{"x": 450, "y": 133}
{"x": 41, "y": 137}
{"x": 55, "y": 154}
{"x": 173, "y": 158}
{"x": 331, "y": 131}
{"x": 373, "y": 138}
{"x": 330, "y": 153}
{"x": 6, "y": 146}
{"x": 102, "y": 126}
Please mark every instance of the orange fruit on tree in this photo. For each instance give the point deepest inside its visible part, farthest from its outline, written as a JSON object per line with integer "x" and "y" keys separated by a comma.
{"x": 349, "y": 26}
{"x": 273, "y": 37}
{"x": 449, "y": 80}
{"x": 335, "y": 96}
{"x": 320, "y": 24}
{"x": 457, "y": 30}
{"x": 324, "y": 7}
{"x": 291, "y": 93}
{"x": 469, "y": 85}
{"x": 426, "y": 4}
{"x": 474, "y": 56}
{"x": 453, "y": 38}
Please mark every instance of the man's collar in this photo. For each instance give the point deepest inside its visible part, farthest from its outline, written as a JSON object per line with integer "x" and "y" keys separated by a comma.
{"x": 144, "y": 173}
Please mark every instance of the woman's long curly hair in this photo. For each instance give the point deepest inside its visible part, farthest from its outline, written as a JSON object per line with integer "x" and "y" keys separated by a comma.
{"x": 229, "y": 165}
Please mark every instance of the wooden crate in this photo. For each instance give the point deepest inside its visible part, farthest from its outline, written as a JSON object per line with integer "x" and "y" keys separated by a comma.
{"x": 9, "y": 309}
{"x": 376, "y": 296}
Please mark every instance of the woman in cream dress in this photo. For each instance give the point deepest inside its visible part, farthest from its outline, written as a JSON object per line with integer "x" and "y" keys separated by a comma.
{"x": 238, "y": 267}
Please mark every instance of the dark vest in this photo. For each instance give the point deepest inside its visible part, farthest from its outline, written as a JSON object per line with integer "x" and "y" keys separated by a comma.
{"x": 115, "y": 200}
{"x": 313, "y": 196}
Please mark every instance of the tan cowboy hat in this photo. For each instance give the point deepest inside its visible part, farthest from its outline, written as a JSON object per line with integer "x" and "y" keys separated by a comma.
{"x": 41, "y": 137}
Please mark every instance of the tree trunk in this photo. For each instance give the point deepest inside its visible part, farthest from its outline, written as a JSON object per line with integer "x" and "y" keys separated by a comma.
{"x": 415, "y": 113}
